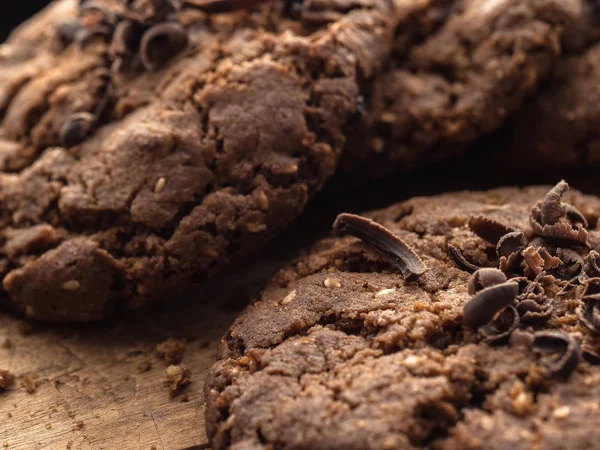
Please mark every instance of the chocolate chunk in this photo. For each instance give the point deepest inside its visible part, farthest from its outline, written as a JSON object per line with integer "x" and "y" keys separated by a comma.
{"x": 382, "y": 239}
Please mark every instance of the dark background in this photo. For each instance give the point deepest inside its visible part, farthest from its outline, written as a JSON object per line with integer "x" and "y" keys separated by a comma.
{"x": 16, "y": 12}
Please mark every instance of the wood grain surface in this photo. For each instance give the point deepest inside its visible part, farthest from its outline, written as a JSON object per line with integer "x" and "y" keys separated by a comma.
{"x": 93, "y": 395}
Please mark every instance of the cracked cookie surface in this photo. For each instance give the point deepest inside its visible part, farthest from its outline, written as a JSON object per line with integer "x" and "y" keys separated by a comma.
{"x": 171, "y": 173}
{"x": 189, "y": 167}
{"x": 341, "y": 352}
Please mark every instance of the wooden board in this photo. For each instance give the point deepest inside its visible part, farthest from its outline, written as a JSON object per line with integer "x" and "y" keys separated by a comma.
{"x": 92, "y": 394}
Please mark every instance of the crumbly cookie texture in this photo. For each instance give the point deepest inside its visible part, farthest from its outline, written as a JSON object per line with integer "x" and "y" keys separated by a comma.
{"x": 125, "y": 176}
{"x": 145, "y": 145}
{"x": 342, "y": 352}
{"x": 558, "y": 127}
{"x": 460, "y": 83}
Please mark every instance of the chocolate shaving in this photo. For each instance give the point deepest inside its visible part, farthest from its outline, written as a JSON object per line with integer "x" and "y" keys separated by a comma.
{"x": 382, "y": 239}
{"x": 126, "y": 39}
{"x": 575, "y": 216}
{"x": 592, "y": 261}
{"x": 84, "y": 36}
{"x": 591, "y": 357}
{"x": 533, "y": 260}
{"x": 533, "y": 312}
{"x": 550, "y": 262}
{"x": 160, "y": 43}
{"x": 67, "y": 31}
{"x": 510, "y": 243}
{"x": 220, "y": 6}
{"x": 589, "y": 311}
{"x": 546, "y": 218}
{"x": 562, "y": 232}
{"x": 500, "y": 329}
{"x": 483, "y": 278}
{"x": 562, "y": 349}
{"x": 572, "y": 264}
{"x": 460, "y": 259}
{"x": 77, "y": 127}
{"x": 551, "y": 210}
{"x": 488, "y": 229}
{"x": 482, "y": 308}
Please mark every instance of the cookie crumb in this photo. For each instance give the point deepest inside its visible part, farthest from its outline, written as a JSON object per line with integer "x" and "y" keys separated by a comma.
{"x": 153, "y": 447}
{"x": 562, "y": 412}
{"x": 171, "y": 350}
{"x": 185, "y": 398}
{"x": 71, "y": 285}
{"x": 383, "y": 292}
{"x": 160, "y": 185}
{"x": 5, "y": 445}
{"x": 48, "y": 426}
{"x": 144, "y": 366}
{"x": 80, "y": 424}
{"x": 69, "y": 444}
{"x": 332, "y": 283}
{"x": 9, "y": 415}
{"x": 29, "y": 384}
{"x": 7, "y": 344}
{"x": 262, "y": 200}
{"x": 6, "y": 379}
{"x": 288, "y": 298}
{"x": 178, "y": 377}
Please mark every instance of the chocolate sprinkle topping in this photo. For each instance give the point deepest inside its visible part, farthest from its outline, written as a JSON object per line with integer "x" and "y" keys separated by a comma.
{"x": 482, "y": 308}
{"x": 382, "y": 239}
{"x": 564, "y": 349}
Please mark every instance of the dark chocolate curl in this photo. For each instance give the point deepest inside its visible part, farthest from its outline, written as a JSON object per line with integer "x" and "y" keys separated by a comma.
{"x": 460, "y": 259}
{"x": 572, "y": 263}
{"x": 488, "y": 229}
{"x": 499, "y": 330}
{"x": 379, "y": 237}
{"x": 482, "y": 308}
{"x": 218, "y": 6}
{"x": 565, "y": 349}
{"x": 160, "y": 43}
{"x": 575, "y": 216}
{"x": 589, "y": 311}
{"x": 510, "y": 243}
{"x": 77, "y": 127}
{"x": 483, "y": 278}
{"x": 551, "y": 207}
{"x": 591, "y": 357}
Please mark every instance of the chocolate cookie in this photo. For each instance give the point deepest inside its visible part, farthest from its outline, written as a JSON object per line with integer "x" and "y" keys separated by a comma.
{"x": 460, "y": 83}
{"x": 558, "y": 128}
{"x": 147, "y": 144}
{"x": 492, "y": 344}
